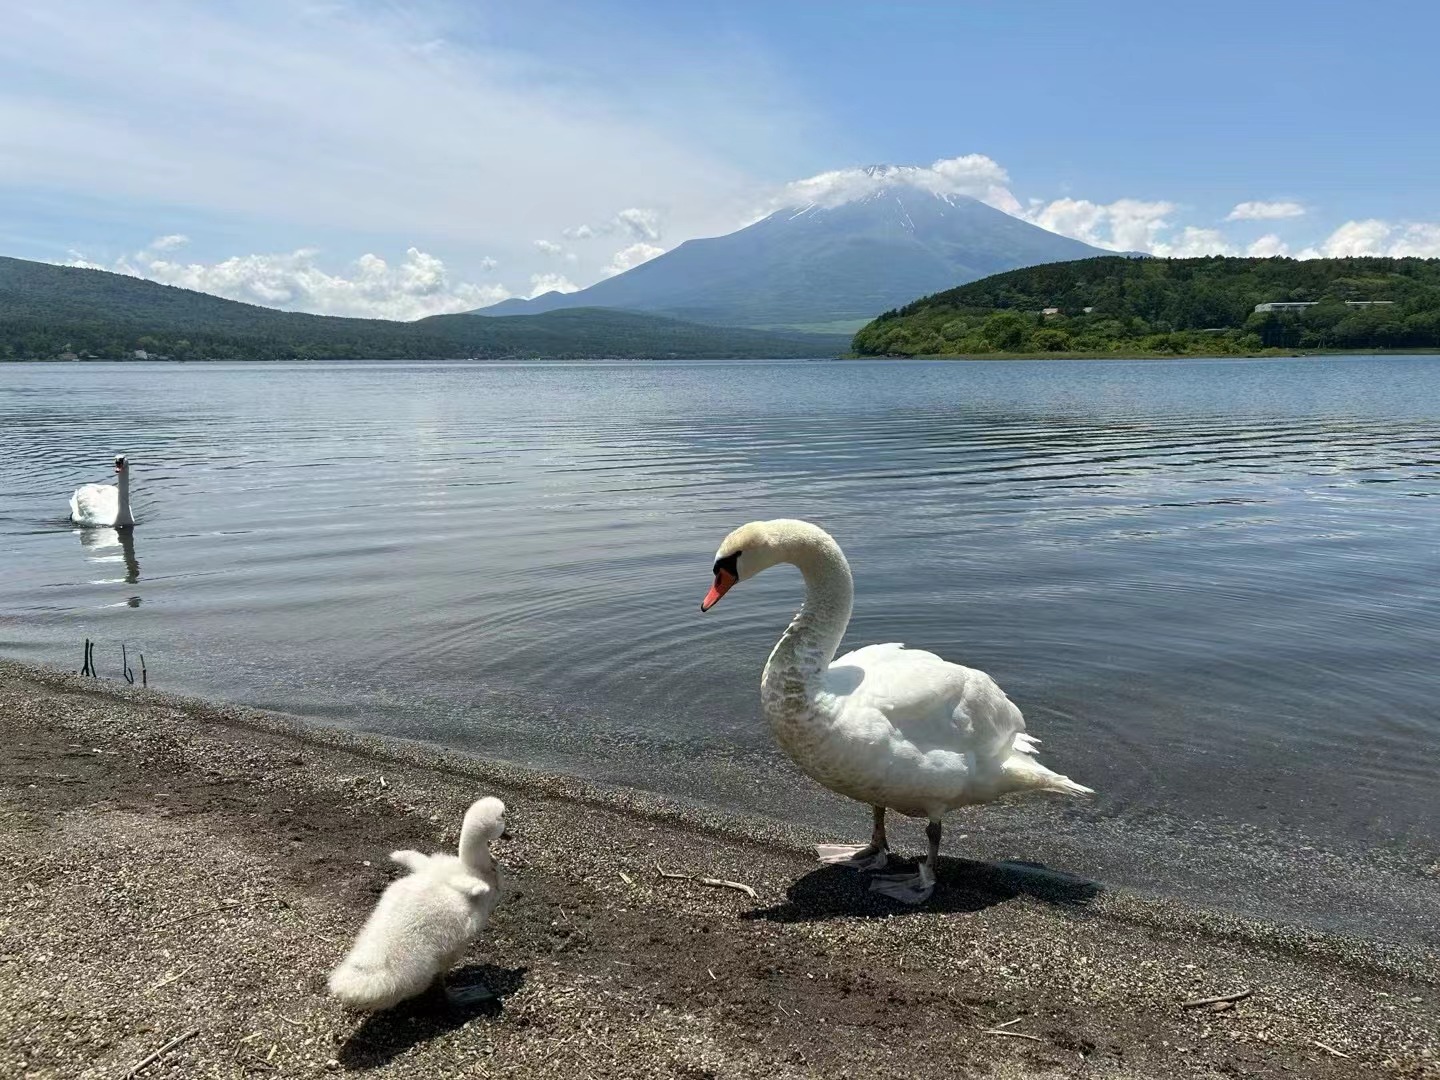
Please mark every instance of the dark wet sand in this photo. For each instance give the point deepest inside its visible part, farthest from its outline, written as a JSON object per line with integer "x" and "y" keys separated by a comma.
{"x": 168, "y": 866}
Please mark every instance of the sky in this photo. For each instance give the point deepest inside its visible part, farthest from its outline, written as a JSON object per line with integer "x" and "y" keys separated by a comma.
{"x": 401, "y": 159}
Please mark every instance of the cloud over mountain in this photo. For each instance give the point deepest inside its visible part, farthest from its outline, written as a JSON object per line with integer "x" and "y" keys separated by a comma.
{"x": 415, "y": 287}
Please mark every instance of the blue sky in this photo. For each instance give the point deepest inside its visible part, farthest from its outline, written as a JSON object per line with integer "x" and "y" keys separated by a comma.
{"x": 399, "y": 159}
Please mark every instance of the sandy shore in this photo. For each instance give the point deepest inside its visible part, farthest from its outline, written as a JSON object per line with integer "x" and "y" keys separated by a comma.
{"x": 170, "y": 868}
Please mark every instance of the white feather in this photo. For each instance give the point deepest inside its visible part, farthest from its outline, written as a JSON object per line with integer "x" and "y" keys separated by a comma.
{"x": 886, "y": 725}
{"x": 100, "y": 505}
{"x": 423, "y": 922}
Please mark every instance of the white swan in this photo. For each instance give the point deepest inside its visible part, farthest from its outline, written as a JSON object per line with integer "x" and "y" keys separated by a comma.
{"x": 104, "y": 504}
{"x": 424, "y": 921}
{"x": 897, "y": 728}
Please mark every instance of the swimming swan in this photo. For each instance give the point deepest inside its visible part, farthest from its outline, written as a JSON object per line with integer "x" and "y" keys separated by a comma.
{"x": 425, "y": 921}
{"x": 104, "y": 504}
{"x": 897, "y": 728}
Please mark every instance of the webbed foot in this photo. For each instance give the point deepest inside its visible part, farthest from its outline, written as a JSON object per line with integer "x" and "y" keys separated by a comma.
{"x": 907, "y": 888}
{"x": 855, "y": 856}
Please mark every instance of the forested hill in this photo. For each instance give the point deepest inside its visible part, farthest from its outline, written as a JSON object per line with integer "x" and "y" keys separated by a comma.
{"x": 1196, "y": 306}
{"x": 49, "y": 311}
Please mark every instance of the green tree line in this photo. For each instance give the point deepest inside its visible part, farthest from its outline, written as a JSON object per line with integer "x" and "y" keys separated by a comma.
{"x": 1119, "y": 304}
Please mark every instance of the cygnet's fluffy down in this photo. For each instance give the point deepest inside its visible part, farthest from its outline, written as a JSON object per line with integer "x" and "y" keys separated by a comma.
{"x": 425, "y": 921}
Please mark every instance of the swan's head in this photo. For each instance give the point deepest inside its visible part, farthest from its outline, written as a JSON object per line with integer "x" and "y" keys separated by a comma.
{"x": 121, "y": 464}
{"x": 485, "y": 820}
{"x": 759, "y": 546}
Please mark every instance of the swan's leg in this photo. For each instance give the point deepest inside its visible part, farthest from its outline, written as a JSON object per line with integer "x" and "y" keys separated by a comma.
{"x": 872, "y": 856}
{"x": 914, "y": 888}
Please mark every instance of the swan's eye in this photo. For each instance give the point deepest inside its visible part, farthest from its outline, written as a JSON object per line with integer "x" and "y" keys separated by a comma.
{"x": 730, "y": 564}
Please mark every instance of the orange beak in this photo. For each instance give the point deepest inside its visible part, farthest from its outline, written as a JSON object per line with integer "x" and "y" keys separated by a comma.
{"x": 724, "y": 580}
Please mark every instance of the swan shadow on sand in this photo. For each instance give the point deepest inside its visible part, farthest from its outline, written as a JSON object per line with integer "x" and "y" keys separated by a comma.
{"x": 385, "y": 1035}
{"x": 963, "y": 886}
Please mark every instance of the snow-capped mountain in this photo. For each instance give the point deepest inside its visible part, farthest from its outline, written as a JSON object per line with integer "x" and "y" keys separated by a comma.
{"x": 825, "y": 266}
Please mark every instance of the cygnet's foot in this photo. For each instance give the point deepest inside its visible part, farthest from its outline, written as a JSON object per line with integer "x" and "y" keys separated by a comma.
{"x": 855, "y": 856}
{"x": 464, "y": 997}
{"x": 906, "y": 888}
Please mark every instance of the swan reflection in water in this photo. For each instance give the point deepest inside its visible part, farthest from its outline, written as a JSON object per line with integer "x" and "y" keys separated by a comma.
{"x": 97, "y": 543}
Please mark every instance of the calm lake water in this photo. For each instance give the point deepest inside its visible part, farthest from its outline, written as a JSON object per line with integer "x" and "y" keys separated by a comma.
{"x": 1211, "y": 586}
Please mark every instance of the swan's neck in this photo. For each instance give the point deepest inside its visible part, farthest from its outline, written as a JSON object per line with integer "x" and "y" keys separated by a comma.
{"x": 808, "y": 645}
{"x": 475, "y": 854}
{"x": 123, "y": 517}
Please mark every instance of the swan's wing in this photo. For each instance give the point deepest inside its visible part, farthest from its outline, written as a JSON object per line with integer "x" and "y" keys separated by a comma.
{"x": 95, "y": 504}
{"x": 891, "y": 691}
{"x": 468, "y": 885}
{"x": 414, "y": 861}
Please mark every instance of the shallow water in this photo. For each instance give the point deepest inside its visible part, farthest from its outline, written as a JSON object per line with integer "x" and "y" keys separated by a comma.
{"x": 1210, "y": 585}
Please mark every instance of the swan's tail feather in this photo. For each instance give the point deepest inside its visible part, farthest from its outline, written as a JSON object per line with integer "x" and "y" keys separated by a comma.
{"x": 1066, "y": 786}
{"x": 370, "y": 988}
{"x": 1029, "y": 773}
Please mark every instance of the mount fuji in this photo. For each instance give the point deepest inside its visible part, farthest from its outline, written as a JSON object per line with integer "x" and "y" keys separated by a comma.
{"x": 825, "y": 267}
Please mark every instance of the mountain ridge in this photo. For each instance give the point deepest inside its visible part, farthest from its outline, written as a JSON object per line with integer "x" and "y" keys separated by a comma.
{"x": 49, "y": 311}
{"x": 824, "y": 265}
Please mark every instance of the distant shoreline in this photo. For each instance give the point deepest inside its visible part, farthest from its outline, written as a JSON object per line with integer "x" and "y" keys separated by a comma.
{"x": 1269, "y": 354}
{"x": 1266, "y": 354}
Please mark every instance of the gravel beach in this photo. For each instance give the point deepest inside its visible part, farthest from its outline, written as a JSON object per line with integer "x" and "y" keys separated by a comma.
{"x": 180, "y": 877}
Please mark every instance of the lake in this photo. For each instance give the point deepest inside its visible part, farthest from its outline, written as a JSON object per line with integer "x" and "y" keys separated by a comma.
{"x": 1211, "y": 586}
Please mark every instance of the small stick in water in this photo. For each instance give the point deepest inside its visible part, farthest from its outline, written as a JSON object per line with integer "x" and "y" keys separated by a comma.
{"x": 125, "y": 665}
{"x": 144, "y": 680}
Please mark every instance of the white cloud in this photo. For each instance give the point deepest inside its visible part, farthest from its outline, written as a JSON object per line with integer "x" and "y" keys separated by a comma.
{"x": 544, "y": 283}
{"x": 1267, "y": 247}
{"x": 549, "y": 247}
{"x": 1195, "y": 242}
{"x": 416, "y": 287}
{"x": 630, "y": 257}
{"x": 971, "y": 174}
{"x": 641, "y": 223}
{"x": 334, "y": 118}
{"x": 169, "y": 243}
{"x": 1375, "y": 237}
{"x": 1265, "y": 211}
{"x": 1123, "y": 225}
{"x": 487, "y": 263}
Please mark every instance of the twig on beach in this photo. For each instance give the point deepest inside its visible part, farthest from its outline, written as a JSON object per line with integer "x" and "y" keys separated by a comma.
{"x": 88, "y": 668}
{"x": 125, "y": 666}
{"x": 714, "y": 883}
{"x": 1011, "y": 1034}
{"x": 1330, "y": 1049}
{"x": 149, "y": 1059}
{"x": 167, "y": 981}
{"x": 1007, "y": 1023}
{"x": 1238, "y": 995}
{"x": 721, "y": 883}
{"x": 144, "y": 676}
{"x": 226, "y": 907}
{"x": 625, "y": 877}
